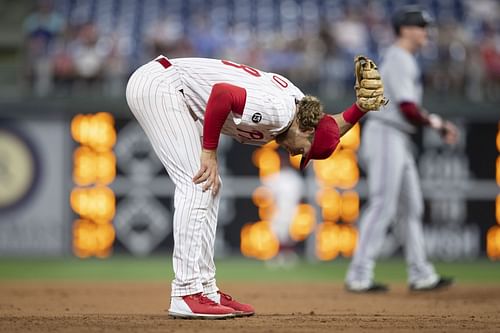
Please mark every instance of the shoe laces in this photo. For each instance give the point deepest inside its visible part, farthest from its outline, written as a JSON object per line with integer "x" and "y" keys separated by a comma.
{"x": 203, "y": 299}
{"x": 226, "y": 296}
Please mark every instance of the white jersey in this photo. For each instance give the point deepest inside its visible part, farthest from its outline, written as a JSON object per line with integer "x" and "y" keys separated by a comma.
{"x": 402, "y": 83}
{"x": 161, "y": 95}
{"x": 270, "y": 102}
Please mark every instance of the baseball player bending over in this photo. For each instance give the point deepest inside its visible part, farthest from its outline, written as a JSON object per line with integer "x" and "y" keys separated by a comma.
{"x": 184, "y": 105}
{"x": 385, "y": 152}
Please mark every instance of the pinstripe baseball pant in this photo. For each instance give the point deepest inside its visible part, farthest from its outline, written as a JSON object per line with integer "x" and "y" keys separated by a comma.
{"x": 154, "y": 95}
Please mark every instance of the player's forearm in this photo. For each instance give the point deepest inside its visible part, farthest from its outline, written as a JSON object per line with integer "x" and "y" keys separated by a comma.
{"x": 415, "y": 115}
{"x": 215, "y": 116}
{"x": 347, "y": 119}
{"x": 223, "y": 99}
{"x": 420, "y": 117}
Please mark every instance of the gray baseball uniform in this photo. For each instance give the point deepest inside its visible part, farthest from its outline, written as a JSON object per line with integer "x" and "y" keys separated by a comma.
{"x": 394, "y": 189}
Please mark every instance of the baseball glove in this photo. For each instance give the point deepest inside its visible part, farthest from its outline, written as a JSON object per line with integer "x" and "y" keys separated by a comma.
{"x": 369, "y": 87}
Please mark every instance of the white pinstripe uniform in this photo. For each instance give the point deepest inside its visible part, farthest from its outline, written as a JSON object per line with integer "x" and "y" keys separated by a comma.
{"x": 166, "y": 102}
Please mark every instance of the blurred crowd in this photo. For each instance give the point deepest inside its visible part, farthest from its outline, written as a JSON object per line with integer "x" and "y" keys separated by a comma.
{"x": 310, "y": 41}
{"x": 61, "y": 57}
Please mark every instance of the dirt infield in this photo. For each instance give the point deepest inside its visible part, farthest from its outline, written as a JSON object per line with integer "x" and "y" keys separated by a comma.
{"x": 288, "y": 307}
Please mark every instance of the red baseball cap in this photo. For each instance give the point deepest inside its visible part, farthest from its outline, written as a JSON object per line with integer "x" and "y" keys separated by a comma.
{"x": 326, "y": 138}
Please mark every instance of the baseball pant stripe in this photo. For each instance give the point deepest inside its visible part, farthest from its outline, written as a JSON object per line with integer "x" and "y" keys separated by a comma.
{"x": 154, "y": 97}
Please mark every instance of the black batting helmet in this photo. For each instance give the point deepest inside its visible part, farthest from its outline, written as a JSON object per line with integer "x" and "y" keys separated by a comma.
{"x": 411, "y": 16}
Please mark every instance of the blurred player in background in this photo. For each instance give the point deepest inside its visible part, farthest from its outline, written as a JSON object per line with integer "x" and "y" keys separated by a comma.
{"x": 287, "y": 187}
{"x": 184, "y": 105}
{"x": 386, "y": 155}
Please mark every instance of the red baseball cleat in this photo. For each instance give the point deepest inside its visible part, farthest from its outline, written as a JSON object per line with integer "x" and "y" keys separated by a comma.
{"x": 240, "y": 309}
{"x": 198, "y": 306}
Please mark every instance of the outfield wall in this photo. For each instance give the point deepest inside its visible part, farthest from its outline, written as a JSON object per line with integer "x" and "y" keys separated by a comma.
{"x": 38, "y": 176}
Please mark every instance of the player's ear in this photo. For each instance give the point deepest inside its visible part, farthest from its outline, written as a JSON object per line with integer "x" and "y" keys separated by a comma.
{"x": 310, "y": 131}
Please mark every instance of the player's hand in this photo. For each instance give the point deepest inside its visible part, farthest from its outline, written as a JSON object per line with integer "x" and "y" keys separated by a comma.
{"x": 449, "y": 132}
{"x": 208, "y": 172}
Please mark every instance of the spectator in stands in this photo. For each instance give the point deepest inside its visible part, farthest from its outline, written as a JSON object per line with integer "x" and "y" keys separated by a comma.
{"x": 206, "y": 42}
{"x": 446, "y": 57}
{"x": 63, "y": 67}
{"x": 89, "y": 56}
{"x": 490, "y": 54}
{"x": 43, "y": 25}
{"x": 116, "y": 68}
{"x": 351, "y": 33}
{"x": 41, "y": 28}
{"x": 166, "y": 37}
{"x": 464, "y": 57}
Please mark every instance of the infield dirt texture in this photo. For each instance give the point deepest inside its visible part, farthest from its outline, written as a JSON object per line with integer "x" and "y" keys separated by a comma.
{"x": 105, "y": 305}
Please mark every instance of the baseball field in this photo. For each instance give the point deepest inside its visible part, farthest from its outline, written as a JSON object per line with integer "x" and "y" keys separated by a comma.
{"x": 132, "y": 295}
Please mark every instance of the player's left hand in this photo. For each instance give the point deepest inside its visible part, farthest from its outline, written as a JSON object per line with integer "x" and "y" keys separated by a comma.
{"x": 208, "y": 172}
{"x": 369, "y": 87}
{"x": 449, "y": 132}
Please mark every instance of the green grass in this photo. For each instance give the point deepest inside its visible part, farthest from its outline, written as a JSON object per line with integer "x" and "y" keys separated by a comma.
{"x": 235, "y": 269}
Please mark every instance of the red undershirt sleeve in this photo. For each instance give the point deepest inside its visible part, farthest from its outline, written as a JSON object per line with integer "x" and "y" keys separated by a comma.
{"x": 413, "y": 113}
{"x": 223, "y": 99}
{"x": 353, "y": 114}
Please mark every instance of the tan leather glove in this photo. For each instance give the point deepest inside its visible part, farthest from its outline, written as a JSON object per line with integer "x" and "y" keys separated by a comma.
{"x": 369, "y": 87}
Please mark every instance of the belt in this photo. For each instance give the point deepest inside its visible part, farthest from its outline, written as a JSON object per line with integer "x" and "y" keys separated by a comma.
{"x": 164, "y": 62}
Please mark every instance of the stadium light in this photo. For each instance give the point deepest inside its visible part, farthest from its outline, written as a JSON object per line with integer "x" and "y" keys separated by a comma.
{"x": 94, "y": 167}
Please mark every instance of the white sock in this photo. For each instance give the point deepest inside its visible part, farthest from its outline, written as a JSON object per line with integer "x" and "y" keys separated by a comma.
{"x": 214, "y": 297}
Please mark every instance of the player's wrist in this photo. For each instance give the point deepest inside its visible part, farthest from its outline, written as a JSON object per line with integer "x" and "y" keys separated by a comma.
{"x": 353, "y": 114}
{"x": 436, "y": 121}
{"x": 209, "y": 152}
{"x": 360, "y": 108}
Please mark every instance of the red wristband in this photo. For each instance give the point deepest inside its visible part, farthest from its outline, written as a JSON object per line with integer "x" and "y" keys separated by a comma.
{"x": 353, "y": 114}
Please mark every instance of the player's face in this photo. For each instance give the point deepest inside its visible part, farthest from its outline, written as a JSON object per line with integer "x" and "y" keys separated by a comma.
{"x": 421, "y": 36}
{"x": 296, "y": 142}
{"x": 417, "y": 35}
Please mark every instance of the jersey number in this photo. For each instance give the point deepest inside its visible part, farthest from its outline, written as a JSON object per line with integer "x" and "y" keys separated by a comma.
{"x": 251, "y": 135}
{"x": 254, "y": 72}
{"x": 248, "y": 69}
{"x": 280, "y": 81}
